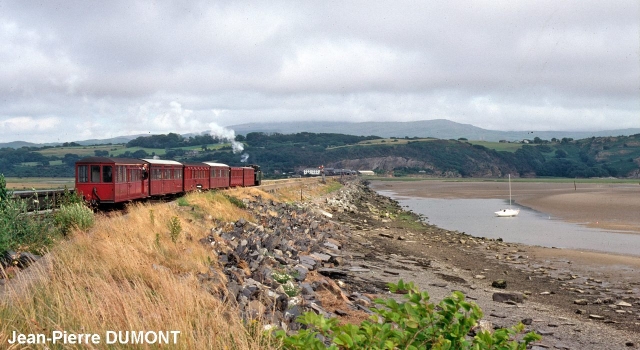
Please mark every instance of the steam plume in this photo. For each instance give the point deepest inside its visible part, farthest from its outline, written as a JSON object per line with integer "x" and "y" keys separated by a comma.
{"x": 227, "y": 135}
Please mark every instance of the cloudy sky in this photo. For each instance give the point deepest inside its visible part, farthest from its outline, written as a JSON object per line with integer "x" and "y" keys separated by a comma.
{"x": 74, "y": 70}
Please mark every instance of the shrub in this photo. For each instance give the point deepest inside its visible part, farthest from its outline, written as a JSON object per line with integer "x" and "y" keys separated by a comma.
{"x": 235, "y": 201}
{"x": 182, "y": 202}
{"x": 415, "y": 324}
{"x": 4, "y": 195}
{"x": 19, "y": 231}
{"x": 75, "y": 215}
{"x": 174, "y": 228}
{"x": 23, "y": 232}
{"x": 281, "y": 277}
{"x": 69, "y": 197}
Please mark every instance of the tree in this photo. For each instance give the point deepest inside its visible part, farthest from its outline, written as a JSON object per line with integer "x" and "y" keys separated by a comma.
{"x": 561, "y": 153}
{"x": 4, "y": 195}
{"x": 566, "y": 140}
{"x": 139, "y": 154}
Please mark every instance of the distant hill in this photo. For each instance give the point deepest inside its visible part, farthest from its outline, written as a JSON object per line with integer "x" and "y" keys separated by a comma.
{"x": 437, "y": 128}
{"x": 113, "y": 140}
{"x": 18, "y": 144}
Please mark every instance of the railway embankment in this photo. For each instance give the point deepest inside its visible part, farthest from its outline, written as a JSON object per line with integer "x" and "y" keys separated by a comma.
{"x": 209, "y": 263}
{"x": 335, "y": 254}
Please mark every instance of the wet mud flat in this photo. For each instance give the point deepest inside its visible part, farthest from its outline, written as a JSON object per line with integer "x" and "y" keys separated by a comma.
{"x": 602, "y": 205}
{"x": 576, "y": 300}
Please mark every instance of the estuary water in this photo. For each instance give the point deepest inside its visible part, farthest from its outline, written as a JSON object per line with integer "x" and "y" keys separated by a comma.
{"x": 476, "y": 217}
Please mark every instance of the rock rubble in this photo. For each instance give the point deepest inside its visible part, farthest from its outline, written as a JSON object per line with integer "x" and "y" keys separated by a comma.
{"x": 267, "y": 265}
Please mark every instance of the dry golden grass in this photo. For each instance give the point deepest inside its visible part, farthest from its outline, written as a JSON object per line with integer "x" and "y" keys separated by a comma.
{"x": 127, "y": 274}
{"x": 250, "y": 192}
{"x": 307, "y": 190}
{"x": 217, "y": 205}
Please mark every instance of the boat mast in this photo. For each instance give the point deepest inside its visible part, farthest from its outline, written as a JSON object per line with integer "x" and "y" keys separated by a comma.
{"x": 509, "y": 191}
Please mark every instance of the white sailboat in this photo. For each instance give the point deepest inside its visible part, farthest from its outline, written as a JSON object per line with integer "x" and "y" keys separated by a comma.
{"x": 508, "y": 212}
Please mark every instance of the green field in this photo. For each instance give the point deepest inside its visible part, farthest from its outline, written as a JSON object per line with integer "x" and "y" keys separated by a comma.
{"x": 498, "y": 146}
{"x": 156, "y": 151}
{"x": 52, "y": 162}
{"x": 116, "y": 150}
{"x": 393, "y": 141}
{"x": 79, "y": 150}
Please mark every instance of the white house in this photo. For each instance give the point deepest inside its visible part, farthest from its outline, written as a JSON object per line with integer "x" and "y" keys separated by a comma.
{"x": 311, "y": 171}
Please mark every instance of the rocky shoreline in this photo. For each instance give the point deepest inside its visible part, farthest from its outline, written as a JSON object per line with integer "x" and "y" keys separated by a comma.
{"x": 335, "y": 254}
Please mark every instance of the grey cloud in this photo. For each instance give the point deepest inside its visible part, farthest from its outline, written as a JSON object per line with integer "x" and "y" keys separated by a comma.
{"x": 120, "y": 66}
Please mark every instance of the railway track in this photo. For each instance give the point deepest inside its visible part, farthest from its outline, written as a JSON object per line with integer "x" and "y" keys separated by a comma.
{"x": 38, "y": 200}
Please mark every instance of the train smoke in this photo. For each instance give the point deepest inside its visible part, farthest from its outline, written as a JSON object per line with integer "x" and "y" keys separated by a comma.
{"x": 244, "y": 157}
{"x": 226, "y": 135}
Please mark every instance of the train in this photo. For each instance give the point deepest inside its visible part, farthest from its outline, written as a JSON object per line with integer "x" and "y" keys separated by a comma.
{"x": 103, "y": 181}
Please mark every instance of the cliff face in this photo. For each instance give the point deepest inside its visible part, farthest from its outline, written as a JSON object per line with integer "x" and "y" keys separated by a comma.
{"x": 389, "y": 163}
{"x": 382, "y": 163}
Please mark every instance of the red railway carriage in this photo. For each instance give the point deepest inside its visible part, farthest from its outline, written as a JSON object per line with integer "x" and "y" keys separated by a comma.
{"x": 102, "y": 180}
{"x": 165, "y": 177}
{"x": 219, "y": 176}
{"x": 196, "y": 176}
{"x": 237, "y": 176}
{"x": 248, "y": 178}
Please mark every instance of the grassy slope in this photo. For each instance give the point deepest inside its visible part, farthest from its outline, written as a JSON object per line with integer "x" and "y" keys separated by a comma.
{"x": 127, "y": 274}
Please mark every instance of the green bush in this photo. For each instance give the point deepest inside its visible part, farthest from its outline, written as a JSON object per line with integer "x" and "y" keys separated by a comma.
{"x": 415, "y": 324}
{"x": 69, "y": 198}
{"x": 70, "y": 216}
{"x": 174, "y": 228}
{"x": 20, "y": 230}
{"x": 235, "y": 201}
{"x": 4, "y": 195}
{"x": 182, "y": 202}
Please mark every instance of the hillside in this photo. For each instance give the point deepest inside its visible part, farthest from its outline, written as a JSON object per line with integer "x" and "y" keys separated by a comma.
{"x": 281, "y": 155}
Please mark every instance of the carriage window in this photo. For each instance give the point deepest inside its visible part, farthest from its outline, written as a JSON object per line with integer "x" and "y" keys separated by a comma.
{"x": 95, "y": 173}
{"x": 107, "y": 174}
{"x": 176, "y": 173}
{"x": 83, "y": 173}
